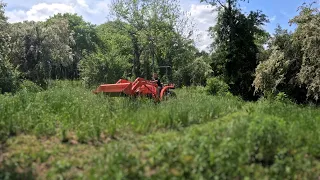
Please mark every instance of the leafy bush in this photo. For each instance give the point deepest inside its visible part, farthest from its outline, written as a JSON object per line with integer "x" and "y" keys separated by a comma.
{"x": 216, "y": 86}
{"x": 293, "y": 66}
{"x": 271, "y": 73}
{"x": 30, "y": 86}
{"x": 9, "y": 77}
{"x": 102, "y": 68}
{"x": 307, "y": 34}
{"x": 200, "y": 70}
{"x": 264, "y": 135}
{"x": 282, "y": 97}
{"x": 279, "y": 97}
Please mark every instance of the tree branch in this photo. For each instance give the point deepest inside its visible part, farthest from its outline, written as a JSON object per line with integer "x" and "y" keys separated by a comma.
{"x": 221, "y": 4}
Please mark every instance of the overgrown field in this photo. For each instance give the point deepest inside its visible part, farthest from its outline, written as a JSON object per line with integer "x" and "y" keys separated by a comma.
{"x": 66, "y": 132}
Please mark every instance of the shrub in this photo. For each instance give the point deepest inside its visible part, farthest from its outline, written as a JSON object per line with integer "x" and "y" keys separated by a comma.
{"x": 271, "y": 73}
{"x": 30, "y": 86}
{"x": 216, "y": 86}
{"x": 200, "y": 70}
{"x": 264, "y": 136}
{"x": 8, "y": 77}
{"x": 101, "y": 68}
{"x": 282, "y": 97}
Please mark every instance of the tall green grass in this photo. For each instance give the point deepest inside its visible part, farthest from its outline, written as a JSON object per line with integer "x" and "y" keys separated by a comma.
{"x": 195, "y": 136}
{"x": 67, "y": 107}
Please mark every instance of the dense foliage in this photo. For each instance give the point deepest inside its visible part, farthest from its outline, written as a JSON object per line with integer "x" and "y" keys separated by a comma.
{"x": 293, "y": 66}
{"x": 235, "y": 49}
{"x": 147, "y": 36}
{"x": 54, "y": 128}
{"x": 68, "y": 132}
{"x": 8, "y": 74}
{"x": 216, "y": 86}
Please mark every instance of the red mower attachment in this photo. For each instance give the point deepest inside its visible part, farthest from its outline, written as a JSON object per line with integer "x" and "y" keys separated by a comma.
{"x": 140, "y": 87}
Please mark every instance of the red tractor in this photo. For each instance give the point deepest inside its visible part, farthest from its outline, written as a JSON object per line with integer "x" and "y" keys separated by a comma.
{"x": 140, "y": 87}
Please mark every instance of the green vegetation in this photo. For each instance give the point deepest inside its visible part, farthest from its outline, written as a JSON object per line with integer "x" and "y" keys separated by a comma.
{"x": 69, "y": 132}
{"x": 216, "y": 86}
{"x": 236, "y": 46}
{"x": 144, "y": 36}
{"x": 69, "y": 107}
{"x": 244, "y": 110}
{"x": 293, "y": 64}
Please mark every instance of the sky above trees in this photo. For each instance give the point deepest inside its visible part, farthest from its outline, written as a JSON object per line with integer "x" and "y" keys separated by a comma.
{"x": 96, "y": 11}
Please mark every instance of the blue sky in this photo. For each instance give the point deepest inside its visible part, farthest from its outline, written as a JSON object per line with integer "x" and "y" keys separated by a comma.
{"x": 96, "y": 11}
{"x": 278, "y": 11}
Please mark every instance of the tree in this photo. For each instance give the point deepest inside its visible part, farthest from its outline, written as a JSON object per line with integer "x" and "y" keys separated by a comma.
{"x": 278, "y": 73}
{"x": 8, "y": 73}
{"x": 85, "y": 39}
{"x": 183, "y": 55}
{"x": 293, "y": 67}
{"x": 271, "y": 73}
{"x": 178, "y": 53}
{"x": 308, "y": 34}
{"x": 235, "y": 46}
{"x": 100, "y": 68}
{"x": 153, "y": 27}
{"x": 200, "y": 70}
{"x": 131, "y": 12}
{"x": 228, "y": 7}
{"x": 41, "y": 50}
{"x": 112, "y": 59}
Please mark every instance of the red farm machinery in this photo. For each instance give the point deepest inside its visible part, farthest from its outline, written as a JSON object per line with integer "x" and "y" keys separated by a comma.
{"x": 138, "y": 88}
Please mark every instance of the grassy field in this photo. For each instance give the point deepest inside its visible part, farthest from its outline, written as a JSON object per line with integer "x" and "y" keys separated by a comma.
{"x": 66, "y": 132}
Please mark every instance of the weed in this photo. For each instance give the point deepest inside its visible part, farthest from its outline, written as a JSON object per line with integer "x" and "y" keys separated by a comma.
{"x": 68, "y": 132}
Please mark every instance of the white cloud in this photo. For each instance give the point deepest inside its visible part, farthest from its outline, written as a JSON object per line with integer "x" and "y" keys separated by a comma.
{"x": 39, "y": 12}
{"x": 82, "y": 6}
{"x": 82, "y": 3}
{"x": 204, "y": 17}
{"x": 92, "y": 11}
{"x": 96, "y": 11}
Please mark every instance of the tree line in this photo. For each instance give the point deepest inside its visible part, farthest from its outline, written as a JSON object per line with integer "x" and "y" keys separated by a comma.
{"x": 147, "y": 36}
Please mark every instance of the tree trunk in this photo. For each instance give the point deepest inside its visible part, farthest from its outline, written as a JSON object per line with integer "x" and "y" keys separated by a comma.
{"x": 230, "y": 26}
{"x": 136, "y": 61}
